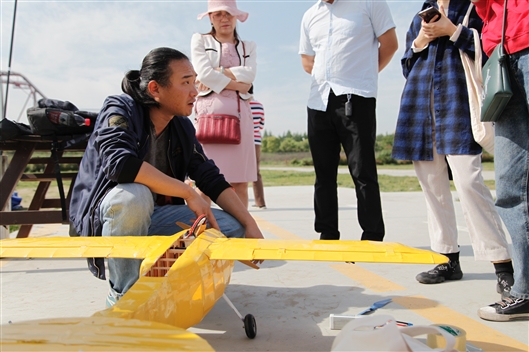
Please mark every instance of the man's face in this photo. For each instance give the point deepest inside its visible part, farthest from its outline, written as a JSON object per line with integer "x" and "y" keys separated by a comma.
{"x": 179, "y": 96}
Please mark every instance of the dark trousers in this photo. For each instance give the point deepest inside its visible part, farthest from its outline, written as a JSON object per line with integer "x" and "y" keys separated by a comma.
{"x": 327, "y": 131}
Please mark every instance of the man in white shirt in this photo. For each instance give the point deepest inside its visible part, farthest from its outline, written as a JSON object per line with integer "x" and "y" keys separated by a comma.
{"x": 343, "y": 45}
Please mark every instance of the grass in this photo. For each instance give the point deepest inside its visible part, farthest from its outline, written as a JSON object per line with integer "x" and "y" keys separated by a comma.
{"x": 26, "y": 190}
{"x": 387, "y": 183}
{"x": 273, "y": 178}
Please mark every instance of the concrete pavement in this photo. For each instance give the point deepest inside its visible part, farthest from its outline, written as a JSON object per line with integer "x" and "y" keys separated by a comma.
{"x": 292, "y": 301}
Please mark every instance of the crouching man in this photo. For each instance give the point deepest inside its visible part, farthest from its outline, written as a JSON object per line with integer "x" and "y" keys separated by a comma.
{"x": 131, "y": 177}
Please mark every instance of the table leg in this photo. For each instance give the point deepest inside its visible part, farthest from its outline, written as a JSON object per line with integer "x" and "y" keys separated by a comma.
{"x": 14, "y": 172}
{"x": 38, "y": 199}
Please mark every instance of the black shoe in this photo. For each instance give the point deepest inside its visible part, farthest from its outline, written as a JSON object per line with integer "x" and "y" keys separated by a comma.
{"x": 509, "y": 308}
{"x": 505, "y": 281}
{"x": 442, "y": 272}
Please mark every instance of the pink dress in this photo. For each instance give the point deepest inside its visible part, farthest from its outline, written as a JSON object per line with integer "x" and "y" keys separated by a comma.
{"x": 236, "y": 162}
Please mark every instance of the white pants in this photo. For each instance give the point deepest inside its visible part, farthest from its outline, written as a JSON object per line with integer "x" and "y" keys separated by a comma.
{"x": 483, "y": 222}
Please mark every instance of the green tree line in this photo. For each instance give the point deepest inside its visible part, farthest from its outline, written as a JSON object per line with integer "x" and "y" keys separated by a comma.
{"x": 298, "y": 142}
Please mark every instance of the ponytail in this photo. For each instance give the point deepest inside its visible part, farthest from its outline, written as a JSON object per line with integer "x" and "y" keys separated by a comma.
{"x": 131, "y": 85}
{"x": 155, "y": 67}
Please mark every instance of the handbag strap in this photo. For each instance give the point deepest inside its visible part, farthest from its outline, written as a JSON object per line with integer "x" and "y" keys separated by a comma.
{"x": 467, "y": 16}
{"x": 503, "y": 28}
{"x": 238, "y": 104}
{"x": 477, "y": 45}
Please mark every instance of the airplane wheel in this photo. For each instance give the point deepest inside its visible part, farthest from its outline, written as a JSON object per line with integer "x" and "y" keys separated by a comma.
{"x": 249, "y": 326}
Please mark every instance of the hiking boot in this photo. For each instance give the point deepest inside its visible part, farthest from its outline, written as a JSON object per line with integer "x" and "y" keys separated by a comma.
{"x": 509, "y": 308}
{"x": 505, "y": 281}
{"x": 442, "y": 272}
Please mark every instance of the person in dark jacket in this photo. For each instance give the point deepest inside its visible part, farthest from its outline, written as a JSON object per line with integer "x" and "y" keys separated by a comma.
{"x": 131, "y": 177}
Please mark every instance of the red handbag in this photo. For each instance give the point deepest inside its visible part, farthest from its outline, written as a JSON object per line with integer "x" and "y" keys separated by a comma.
{"x": 219, "y": 128}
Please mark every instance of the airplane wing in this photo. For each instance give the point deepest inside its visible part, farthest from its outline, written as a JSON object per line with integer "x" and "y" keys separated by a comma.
{"x": 321, "y": 250}
{"x": 152, "y": 247}
{"x": 98, "y": 334}
{"x": 86, "y": 247}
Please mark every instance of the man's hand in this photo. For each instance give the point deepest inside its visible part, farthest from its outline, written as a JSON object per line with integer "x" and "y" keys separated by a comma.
{"x": 307, "y": 62}
{"x": 254, "y": 232}
{"x": 230, "y": 202}
{"x": 387, "y": 48}
{"x": 199, "y": 206}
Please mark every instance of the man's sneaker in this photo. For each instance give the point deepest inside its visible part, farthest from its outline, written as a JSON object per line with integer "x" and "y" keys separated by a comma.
{"x": 505, "y": 282}
{"x": 442, "y": 272}
{"x": 509, "y": 308}
{"x": 112, "y": 298}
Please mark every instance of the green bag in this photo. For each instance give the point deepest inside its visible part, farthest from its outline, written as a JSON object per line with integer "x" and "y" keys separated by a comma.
{"x": 496, "y": 85}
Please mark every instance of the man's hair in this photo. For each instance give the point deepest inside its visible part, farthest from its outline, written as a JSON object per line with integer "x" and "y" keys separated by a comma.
{"x": 155, "y": 67}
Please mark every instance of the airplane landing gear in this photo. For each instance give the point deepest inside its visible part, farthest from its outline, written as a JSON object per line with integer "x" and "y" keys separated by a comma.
{"x": 250, "y": 327}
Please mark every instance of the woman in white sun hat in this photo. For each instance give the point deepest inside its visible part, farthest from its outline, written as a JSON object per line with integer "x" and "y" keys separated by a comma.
{"x": 226, "y": 67}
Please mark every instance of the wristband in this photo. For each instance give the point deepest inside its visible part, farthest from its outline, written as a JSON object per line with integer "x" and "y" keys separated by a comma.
{"x": 222, "y": 69}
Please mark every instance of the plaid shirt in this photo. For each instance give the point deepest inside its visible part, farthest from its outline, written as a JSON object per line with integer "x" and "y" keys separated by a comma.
{"x": 436, "y": 76}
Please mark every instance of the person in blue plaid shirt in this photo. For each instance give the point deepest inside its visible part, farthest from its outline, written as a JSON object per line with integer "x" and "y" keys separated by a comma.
{"x": 434, "y": 131}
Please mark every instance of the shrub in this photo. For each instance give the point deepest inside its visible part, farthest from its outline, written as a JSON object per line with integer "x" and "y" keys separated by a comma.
{"x": 384, "y": 157}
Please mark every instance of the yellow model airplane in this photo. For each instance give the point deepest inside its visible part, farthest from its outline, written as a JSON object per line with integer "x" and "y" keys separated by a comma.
{"x": 181, "y": 278}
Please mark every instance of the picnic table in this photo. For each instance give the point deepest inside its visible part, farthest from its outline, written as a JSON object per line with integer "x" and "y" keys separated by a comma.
{"x": 42, "y": 209}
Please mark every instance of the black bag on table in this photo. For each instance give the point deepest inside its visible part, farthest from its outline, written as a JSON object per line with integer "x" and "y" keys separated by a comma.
{"x": 66, "y": 125}
{"x": 56, "y": 117}
{"x": 12, "y": 129}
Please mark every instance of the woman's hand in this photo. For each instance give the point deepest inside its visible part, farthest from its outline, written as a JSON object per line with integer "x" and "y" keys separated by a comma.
{"x": 200, "y": 86}
{"x": 422, "y": 40}
{"x": 244, "y": 87}
{"x": 239, "y": 86}
{"x": 234, "y": 84}
{"x": 442, "y": 27}
{"x": 227, "y": 73}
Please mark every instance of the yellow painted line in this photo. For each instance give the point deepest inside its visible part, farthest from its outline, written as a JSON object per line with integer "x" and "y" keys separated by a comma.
{"x": 478, "y": 334}
{"x": 367, "y": 278}
{"x": 276, "y": 230}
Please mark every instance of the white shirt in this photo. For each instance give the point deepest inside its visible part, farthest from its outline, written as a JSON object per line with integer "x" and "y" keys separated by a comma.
{"x": 343, "y": 38}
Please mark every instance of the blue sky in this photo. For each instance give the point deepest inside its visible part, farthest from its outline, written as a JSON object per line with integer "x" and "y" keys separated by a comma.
{"x": 80, "y": 50}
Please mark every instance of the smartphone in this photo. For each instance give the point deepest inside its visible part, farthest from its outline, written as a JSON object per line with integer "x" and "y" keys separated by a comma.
{"x": 428, "y": 14}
